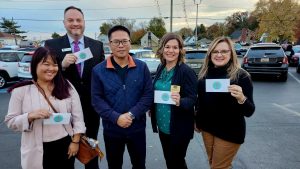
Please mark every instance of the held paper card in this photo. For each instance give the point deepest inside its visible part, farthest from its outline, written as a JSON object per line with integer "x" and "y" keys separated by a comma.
{"x": 83, "y": 55}
{"x": 58, "y": 118}
{"x": 175, "y": 88}
{"x": 217, "y": 85}
{"x": 163, "y": 97}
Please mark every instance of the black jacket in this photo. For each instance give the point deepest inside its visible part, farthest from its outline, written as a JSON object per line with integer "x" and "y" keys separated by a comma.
{"x": 182, "y": 117}
{"x": 83, "y": 84}
{"x": 219, "y": 113}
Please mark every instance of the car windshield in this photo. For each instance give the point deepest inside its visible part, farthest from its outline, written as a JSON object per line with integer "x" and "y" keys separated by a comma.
{"x": 237, "y": 46}
{"x": 265, "y": 51}
{"x": 26, "y": 58}
{"x": 9, "y": 57}
{"x": 195, "y": 55}
{"x": 296, "y": 49}
{"x": 107, "y": 50}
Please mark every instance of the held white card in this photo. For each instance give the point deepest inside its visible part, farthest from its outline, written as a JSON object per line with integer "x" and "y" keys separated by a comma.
{"x": 217, "y": 85}
{"x": 58, "y": 118}
{"x": 83, "y": 55}
{"x": 163, "y": 97}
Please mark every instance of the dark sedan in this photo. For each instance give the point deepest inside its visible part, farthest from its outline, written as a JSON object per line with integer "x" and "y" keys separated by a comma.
{"x": 266, "y": 59}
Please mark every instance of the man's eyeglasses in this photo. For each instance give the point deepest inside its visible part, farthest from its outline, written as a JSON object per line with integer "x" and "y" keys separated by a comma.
{"x": 222, "y": 52}
{"x": 124, "y": 42}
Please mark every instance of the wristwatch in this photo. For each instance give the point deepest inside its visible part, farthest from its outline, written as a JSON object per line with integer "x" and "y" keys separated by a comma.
{"x": 131, "y": 115}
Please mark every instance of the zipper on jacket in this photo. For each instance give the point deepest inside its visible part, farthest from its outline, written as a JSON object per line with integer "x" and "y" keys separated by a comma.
{"x": 124, "y": 86}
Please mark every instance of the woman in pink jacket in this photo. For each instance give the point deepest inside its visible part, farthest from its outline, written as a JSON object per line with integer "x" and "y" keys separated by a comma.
{"x": 44, "y": 145}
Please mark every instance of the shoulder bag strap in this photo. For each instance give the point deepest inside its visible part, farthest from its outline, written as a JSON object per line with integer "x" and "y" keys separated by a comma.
{"x": 44, "y": 94}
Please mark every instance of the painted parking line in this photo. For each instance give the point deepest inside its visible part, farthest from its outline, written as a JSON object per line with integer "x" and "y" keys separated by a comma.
{"x": 3, "y": 90}
{"x": 294, "y": 77}
{"x": 287, "y": 109}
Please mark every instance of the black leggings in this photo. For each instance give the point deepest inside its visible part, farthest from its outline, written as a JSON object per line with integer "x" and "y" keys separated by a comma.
{"x": 56, "y": 154}
{"x": 174, "y": 153}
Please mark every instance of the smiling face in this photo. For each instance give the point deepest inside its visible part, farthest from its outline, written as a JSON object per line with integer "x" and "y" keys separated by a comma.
{"x": 221, "y": 55}
{"x": 171, "y": 51}
{"x": 74, "y": 23}
{"x": 120, "y": 44}
{"x": 46, "y": 70}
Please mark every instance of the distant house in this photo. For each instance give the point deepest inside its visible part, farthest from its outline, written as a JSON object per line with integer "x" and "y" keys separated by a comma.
{"x": 8, "y": 39}
{"x": 243, "y": 36}
{"x": 149, "y": 40}
{"x": 189, "y": 41}
{"x": 104, "y": 39}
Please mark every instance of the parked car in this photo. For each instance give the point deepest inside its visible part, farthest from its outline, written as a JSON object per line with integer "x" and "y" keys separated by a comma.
{"x": 295, "y": 58}
{"x": 29, "y": 49}
{"x": 298, "y": 67}
{"x": 9, "y": 66}
{"x": 239, "y": 49}
{"x": 195, "y": 58}
{"x": 148, "y": 56}
{"x": 107, "y": 51}
{"x": 10, "y": 47}
{"x": 24, "y": 71}
{"x": 266, "y": 59}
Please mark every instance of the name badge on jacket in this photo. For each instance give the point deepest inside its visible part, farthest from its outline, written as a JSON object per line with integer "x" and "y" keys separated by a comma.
{"x": 66, "y": 49}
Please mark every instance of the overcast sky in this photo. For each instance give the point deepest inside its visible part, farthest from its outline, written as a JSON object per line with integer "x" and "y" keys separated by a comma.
{"x": 43, "y": 17}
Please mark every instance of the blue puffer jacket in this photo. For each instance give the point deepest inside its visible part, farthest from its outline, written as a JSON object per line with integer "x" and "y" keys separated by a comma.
{"x": 112, "y": 97}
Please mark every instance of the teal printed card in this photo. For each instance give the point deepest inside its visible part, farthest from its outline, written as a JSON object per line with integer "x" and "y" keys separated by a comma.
{"x": 83, "y": 55}
{"x": 217, "y": 85}
{"x": 163, "y": 97}
{"x": 58, "y": 118}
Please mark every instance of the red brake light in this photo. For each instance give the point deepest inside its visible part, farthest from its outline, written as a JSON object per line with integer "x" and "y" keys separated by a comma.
{"x": 285, "y": 60}
{"x": 245, "y": 60}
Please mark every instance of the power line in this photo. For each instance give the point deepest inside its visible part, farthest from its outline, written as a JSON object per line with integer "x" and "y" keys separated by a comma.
{"x": 158, "y": 8}
{"x": 184, "y": 12}
{"x": 130, "y": 7}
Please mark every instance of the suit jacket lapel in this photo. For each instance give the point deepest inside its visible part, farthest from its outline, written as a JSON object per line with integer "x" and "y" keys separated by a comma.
{"x": 66, "y": 44}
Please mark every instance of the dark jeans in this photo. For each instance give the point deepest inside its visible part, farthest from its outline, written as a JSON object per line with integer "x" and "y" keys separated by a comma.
{"x": 55, "y": 154}
{"x": 174, "y": 153}
{"x": 136, "y": 146}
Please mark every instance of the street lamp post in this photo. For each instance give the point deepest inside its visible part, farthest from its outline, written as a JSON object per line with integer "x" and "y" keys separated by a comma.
{"x": 171, "y": 17}
{"x": 197, "y": 2}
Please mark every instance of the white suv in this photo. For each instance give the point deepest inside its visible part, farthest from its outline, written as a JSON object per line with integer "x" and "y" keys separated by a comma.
{"x": 9, "y": 66}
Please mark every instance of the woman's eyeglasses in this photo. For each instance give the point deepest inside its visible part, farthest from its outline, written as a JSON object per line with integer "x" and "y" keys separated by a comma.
{"x": 222, "y": 52}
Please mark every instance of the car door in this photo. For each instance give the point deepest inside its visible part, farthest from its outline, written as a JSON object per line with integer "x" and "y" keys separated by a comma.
{"x": 9, "y": 63}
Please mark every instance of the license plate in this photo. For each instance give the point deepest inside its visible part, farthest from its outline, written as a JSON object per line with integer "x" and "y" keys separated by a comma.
{"x": 193, "y": 65}
{"x": 26, "y": 69}
{"x": 264, "y": 60}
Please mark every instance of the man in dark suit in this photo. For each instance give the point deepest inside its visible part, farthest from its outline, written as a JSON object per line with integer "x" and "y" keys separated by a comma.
{"x": 79, "y": 74}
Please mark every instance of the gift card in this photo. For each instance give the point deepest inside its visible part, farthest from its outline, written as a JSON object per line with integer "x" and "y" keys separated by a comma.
{"x": 58, "y": 118}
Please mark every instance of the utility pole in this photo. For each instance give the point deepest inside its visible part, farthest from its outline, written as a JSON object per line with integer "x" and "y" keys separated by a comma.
{"x": 171, "y": 18}
{"x": 197, "y": 2}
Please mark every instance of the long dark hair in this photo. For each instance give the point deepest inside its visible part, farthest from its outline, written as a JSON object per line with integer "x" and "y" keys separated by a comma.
{"x": 61, "y": 86}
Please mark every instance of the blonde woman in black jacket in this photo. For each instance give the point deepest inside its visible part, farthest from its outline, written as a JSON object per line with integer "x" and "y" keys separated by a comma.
{"x": 220, "y": 115}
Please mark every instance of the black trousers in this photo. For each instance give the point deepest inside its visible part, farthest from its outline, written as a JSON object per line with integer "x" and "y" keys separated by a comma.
{"x": 174, "y": 153}
{"x": 92, "y": 122}
{"x": 136, "y": 146}
{"x": 55, "y": 154}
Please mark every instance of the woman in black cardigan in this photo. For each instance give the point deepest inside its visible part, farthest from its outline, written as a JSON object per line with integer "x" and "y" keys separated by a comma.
{"x": 220, "y": 115}
{"x": 174, "y": 122}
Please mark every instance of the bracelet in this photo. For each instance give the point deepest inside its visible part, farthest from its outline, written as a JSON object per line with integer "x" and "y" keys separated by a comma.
{"x": 243, "y": 101}
{"x": 75, "y": 142}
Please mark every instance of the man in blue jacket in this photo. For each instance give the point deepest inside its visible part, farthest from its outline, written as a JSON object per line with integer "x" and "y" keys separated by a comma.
{"x": 122, "y": 93}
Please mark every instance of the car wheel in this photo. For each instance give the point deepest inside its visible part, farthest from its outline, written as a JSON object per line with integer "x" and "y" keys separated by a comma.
{"x": 298, "y": 69}
{"x": 283, "y": 77}
{"x": 3, "y": 81}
